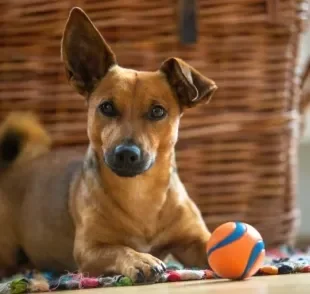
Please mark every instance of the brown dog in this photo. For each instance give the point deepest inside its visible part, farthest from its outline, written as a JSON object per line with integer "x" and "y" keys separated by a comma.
{"x": 123, "y": 208}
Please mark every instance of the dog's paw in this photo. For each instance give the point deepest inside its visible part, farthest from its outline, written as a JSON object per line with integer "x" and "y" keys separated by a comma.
{"x": 143, "y": 268}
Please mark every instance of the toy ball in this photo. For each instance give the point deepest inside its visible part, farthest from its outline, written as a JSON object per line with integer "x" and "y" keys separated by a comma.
{"x": 235, "y": 251}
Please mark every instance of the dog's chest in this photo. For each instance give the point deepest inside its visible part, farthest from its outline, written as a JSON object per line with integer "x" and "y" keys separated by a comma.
{"x": 141, "y": 244}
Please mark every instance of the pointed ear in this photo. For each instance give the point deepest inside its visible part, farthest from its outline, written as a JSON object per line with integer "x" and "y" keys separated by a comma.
{"x": 190, "y": 86}
{"x": 86, "y": 56}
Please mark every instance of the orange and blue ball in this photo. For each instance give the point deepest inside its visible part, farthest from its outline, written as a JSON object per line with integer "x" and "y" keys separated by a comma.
{"x": 235, "y": 251}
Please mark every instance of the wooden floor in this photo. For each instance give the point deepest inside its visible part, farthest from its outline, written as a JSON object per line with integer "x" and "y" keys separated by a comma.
{"x": 287, "y": 284}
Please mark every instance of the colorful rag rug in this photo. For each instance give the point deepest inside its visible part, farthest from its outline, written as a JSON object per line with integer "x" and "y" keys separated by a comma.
{"x": 280, "y": 261}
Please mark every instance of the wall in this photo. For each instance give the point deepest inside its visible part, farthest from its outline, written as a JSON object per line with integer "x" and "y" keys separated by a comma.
{"x": 304, "y": 156}
{"x": 304, "y": 188}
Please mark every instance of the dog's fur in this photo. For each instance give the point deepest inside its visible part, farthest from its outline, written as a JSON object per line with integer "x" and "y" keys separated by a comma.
{"x": 66, "y": 213}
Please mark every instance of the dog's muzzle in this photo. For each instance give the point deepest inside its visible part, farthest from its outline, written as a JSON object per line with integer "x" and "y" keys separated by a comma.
{"x": 127, "y": 160}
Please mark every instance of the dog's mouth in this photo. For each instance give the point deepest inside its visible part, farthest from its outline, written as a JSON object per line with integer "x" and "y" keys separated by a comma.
{"x": 128, "y": 160}
{"x": 130, "y": 172}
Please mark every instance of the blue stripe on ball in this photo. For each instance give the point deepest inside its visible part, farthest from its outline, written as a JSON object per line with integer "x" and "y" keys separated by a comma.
{"x": 235, "y": 235}
{"x": 257, "y": 249}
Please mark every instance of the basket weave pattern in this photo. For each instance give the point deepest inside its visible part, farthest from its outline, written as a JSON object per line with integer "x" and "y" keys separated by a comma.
{"x": 236, "y": 155}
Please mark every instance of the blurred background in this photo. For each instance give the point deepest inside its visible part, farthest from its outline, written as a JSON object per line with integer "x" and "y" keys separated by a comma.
{"x": 246, "y": 155}
{"x": 304, "y": 146}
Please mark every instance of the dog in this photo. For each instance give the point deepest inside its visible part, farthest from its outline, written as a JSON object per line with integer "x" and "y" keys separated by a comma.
{"x": 121, "y": 207}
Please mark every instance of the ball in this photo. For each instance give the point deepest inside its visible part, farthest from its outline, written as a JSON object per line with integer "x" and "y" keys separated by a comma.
{"x": 235, "y": 251}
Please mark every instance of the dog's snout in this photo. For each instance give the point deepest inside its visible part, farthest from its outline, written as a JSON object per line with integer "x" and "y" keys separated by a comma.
{"x": 128, "y": 160}
{"x": 127, "y": 155}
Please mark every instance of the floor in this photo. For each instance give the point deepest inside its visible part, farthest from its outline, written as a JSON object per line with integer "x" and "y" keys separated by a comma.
{"x": 287, "y": 284}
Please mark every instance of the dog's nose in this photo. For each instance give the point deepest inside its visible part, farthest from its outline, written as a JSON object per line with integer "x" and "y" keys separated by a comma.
{"x": 128, "y": 160}
{"x": 127, "y": 155}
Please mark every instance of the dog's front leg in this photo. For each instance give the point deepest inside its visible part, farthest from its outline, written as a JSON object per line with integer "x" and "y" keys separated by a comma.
{"x": 106, "y": 259}
{"x": 191, "y": 252}
{"x": 189, "y": 237}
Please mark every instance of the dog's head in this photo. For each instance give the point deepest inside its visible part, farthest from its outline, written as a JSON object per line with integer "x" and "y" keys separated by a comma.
{"x": 133, "y": 116}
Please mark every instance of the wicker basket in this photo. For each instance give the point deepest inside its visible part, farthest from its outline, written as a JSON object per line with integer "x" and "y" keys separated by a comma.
{"x": 237, "y": 155}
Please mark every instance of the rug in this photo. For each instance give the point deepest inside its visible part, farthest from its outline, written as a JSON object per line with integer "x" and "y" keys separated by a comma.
{"x": 280, "y": 261}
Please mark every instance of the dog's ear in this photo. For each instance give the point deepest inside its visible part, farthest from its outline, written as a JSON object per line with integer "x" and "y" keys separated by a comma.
{"x": 190, "y": 86}
{"x": 86, "y": 56}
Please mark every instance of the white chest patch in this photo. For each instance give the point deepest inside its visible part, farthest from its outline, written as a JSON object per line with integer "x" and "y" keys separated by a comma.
{"x": 141, "y": 245}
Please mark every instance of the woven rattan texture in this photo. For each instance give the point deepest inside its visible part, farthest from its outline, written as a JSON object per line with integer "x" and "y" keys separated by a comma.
{"x": 237, "y": 155}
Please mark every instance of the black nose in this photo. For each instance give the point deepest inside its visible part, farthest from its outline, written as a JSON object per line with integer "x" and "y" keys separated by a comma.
{"x": 127, "y": 155}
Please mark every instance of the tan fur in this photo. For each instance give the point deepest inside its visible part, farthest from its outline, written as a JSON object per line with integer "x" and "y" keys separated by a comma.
{"x": 37, "y": 141}
{"x": 67, "y": 214}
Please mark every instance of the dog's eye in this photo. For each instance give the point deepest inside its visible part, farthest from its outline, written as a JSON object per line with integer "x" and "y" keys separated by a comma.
{"x": 157, "y": 112}
{"x": 108, "y": 109}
